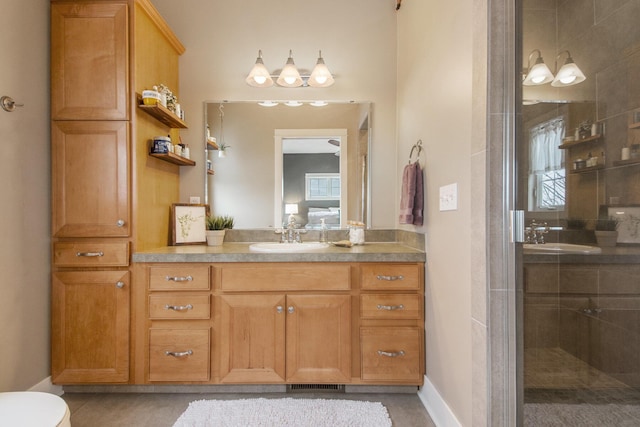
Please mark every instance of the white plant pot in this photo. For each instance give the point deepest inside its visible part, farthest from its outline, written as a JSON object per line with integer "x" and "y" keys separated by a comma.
{"x": 606, "y": 238}
{"x": 222, "y": 153}
{"x": 215, "y": 237}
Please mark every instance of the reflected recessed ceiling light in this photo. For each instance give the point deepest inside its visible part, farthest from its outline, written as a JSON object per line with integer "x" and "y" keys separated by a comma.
{"x": 318, "y": 103}
{"x": 293, "y": 103}
{"x": 267, "y": 103}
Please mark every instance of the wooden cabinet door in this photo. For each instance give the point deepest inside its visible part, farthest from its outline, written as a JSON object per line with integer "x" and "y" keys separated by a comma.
{"x": 90, "y": 179}
{"x": 252, "y": 338}
{"x": 89, "y": 61}
{"x": 319, "y": 338}
{"x": 90, "y": 327}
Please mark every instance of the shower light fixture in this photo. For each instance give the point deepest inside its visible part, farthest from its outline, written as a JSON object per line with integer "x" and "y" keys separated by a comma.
{"x": 290, "y": 76}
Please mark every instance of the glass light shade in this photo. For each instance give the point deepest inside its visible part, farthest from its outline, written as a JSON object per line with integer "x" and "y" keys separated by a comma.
{"x": 539, "y": 74}
{"x": 289, "y": 76}
{"x": 293, "y": 103}
{"x": 318, "y": 103}
{"x": 259, "y": 75}
{"x": 320, "y": 76}
{"x": 568, "y": 75}
{"x": 267, "y": 103}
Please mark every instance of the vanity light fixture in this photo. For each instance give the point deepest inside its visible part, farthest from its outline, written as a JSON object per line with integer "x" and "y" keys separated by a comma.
{"x": 290, "y": 76}
{"x": 259, "y": 75}
{"x": 293, "y": 103}
{"x": 569, "y": 74}
{"x": 539, "y": 74}
{"x": 318, "y": 103}
{"x": 267, "y": 103}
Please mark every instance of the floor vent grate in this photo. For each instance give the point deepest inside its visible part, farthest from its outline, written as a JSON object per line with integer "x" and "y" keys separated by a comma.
{"x": 301, "y": 388}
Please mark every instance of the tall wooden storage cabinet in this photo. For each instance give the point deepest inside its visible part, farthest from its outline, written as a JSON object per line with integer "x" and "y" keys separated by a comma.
{"x": 102, "y": 54}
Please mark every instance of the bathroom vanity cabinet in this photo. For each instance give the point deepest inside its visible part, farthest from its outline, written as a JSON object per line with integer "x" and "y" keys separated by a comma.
{"x": 280, "y": 323}
{"x": 108, "y": 198}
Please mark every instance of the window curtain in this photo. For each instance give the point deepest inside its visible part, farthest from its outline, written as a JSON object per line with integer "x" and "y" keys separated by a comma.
{"x": 544, "y": 140}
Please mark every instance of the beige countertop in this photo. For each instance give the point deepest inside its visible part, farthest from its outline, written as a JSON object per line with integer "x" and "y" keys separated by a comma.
{"x": 240, "y": 252}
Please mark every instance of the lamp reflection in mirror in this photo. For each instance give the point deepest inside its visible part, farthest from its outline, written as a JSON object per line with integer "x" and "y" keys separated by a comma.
{"x": 291, "y": 209}
{"x": 290, "y": 76}
{"x": 569, "y": 74}
{"x": 538, "y": 74}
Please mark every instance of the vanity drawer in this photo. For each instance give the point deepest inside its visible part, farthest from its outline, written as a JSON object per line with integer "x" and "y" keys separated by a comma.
{"x": 179, "y": 277}
{"x": 396, "y": 306}
{"x": 391, "y": 354}
{"x": 285, "y": 277}
{"x": 384, "y": 276}
{"x": 91, "y": 254}
{"x": 179, "y": 354}
{"x": 179, "y": 306}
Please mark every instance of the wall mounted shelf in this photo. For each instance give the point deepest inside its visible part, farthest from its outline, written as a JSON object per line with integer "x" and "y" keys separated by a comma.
{"x": 173, "y": 158}
{"x": 572, "y": 144}
{"x": 211, "y": 145}
{"x": 626, "y": 162}
{"x": 586, "y": 170}
{"x": 162, "y": 114}
{"x": 634, "y": 125}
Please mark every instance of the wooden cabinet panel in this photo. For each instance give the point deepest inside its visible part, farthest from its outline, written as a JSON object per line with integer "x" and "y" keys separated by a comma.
{"x": 90, "y": 179}
{"x": 92, "y": 254}
{"x": 258, "y": 277}
{"x": 179, "y": 306}
{"x": 319, "y": 338}
{"x": 89, "y": 61}
{"x": 391, "y": 354}
{"x": 391, "y": 306}
{"x": 252, "y": 338}
{"x": 179, "y": 277}
{"x": 388, "y": 276}
{"x": 90, "y": 327}
{"x": 179, "y": 354}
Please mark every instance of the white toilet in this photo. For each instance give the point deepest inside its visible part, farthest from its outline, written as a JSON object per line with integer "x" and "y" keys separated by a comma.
{"x": 33, "y": 409}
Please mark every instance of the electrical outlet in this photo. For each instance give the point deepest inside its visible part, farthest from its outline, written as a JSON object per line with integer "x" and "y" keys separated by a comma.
{"x": 449, "y": 197}
{"x": 194, "y": 200}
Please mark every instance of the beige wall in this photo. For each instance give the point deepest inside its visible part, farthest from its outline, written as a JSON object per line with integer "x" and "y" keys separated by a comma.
{"x": 434, "y": 105}
{"x": 358, "y": 43}
{"x": 25, "y": 171}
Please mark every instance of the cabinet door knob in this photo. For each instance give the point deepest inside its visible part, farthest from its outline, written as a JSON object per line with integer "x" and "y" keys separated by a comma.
{"x": 291, "y": 310}
{"x": 389, "y": 278}
{"x": 120, "y": 284}
{"x": 120, "y": 223}
{"x": 279, "y": 309}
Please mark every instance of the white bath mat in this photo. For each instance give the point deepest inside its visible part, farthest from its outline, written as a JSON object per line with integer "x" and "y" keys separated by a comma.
{"x": 284, "y": 412}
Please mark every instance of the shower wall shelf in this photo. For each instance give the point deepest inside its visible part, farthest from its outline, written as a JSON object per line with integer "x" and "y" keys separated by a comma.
{"x": 572, "y": 144}
{"x": 586, "y": 170}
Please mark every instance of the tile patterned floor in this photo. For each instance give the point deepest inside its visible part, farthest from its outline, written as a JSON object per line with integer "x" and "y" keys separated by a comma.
{"x": 163, "y": 409}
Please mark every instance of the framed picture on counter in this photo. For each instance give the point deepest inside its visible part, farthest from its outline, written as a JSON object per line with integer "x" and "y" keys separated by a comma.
{"x": 188, "y": 224}
{"x": 628, "y": 223}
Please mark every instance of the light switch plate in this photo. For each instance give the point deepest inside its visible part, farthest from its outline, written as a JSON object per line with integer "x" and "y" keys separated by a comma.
{"x": 194, "y": 200}
{"x": 449, "y": 197}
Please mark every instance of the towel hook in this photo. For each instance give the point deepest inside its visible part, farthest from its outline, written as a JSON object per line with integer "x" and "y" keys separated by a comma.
{"x": 416, "y": 146}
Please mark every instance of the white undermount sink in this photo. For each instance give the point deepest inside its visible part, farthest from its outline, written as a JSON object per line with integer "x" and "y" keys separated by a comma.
{"x": 275, "y": 247}
{"x": 560, "y": 248}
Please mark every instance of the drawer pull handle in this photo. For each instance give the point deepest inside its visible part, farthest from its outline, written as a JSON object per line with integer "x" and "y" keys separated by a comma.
{"x": 179, "y": 353}
{"x": 391, "y": 353}
{"x": 389, "y": 278}
{"x": 90, "y": 254}
{"x": 390, "y": 307}
{"x": 178, "y": 307}
{"x": 179, "y": 279}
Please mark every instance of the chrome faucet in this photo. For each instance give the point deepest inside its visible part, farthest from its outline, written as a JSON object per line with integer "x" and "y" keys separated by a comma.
{"x": 535, "y": 232}
{"x": 290, "y": 234}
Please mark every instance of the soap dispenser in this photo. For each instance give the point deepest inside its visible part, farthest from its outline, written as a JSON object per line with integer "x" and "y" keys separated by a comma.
{"x": 323, "y": 231}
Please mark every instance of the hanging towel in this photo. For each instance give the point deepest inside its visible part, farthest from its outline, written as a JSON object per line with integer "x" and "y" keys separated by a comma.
{"x": 412, "y": 196}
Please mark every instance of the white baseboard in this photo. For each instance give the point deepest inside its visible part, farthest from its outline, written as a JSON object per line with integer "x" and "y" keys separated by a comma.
{"x": 437, "y": 408}
{"x": 46, "y": 386}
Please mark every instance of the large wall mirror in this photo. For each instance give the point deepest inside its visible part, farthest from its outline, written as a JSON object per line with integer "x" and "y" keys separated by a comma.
{"x": 311, "y": 159}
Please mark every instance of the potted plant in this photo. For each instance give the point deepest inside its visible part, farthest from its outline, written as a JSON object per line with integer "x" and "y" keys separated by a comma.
{"x": 607, "y": 232}
{"x": 223, "y": 147}
{"x": 216, "y": 227}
